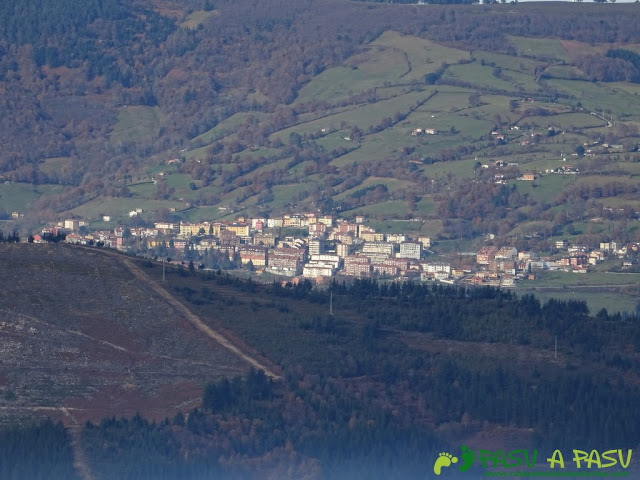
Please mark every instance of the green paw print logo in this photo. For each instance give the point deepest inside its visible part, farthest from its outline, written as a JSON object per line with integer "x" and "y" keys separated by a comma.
{"x": 468, "y": 457}
{"x": 444, "y": 460}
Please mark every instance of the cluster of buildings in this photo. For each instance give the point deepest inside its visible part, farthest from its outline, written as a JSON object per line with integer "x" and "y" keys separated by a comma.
{"x": 318, "y": 246}
{"x": 292, "y": 245}
{"x": 502, "y": 174}
{"x": 424, "y": 131}
{"x": 504, "y": 266}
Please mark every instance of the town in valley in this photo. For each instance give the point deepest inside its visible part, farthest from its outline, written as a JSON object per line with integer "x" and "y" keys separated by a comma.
{"x": 320, "y": 247}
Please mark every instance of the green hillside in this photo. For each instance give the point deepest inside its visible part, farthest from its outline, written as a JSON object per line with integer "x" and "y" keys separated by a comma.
{"x": 256, "y": 134}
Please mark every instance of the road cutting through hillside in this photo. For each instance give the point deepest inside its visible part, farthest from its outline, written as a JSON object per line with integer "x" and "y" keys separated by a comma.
{"x": 196, "y": 321}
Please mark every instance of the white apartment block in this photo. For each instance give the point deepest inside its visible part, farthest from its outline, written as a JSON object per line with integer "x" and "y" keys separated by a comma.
{"x": 410, "y": 250}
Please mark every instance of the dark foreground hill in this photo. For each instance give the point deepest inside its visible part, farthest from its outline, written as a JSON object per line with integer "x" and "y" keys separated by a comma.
{"x": 84, "y": 337}
{"x": 397, "y": 374}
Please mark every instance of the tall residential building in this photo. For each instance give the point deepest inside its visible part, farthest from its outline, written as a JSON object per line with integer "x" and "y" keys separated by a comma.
{"x": 357, "y": 266}
{"x": 316, "y": 246}
{"x": 342, "y": 250}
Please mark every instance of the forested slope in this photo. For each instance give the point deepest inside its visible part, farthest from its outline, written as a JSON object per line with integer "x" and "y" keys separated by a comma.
{"x": 95, "y": 93}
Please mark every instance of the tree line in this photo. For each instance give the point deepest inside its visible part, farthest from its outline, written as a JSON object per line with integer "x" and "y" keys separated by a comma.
{"x": 13, "y": 237}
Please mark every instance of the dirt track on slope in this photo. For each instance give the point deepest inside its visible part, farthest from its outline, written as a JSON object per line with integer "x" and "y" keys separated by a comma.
{"x": 196, "y": 321}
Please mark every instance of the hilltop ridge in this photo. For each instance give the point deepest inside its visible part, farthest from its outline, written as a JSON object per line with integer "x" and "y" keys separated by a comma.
{"x": 86, "y": 334}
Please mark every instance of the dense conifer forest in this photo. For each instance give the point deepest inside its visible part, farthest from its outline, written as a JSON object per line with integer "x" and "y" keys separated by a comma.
{"x": 365, "y": 396}
{"x": 39, "y": 452}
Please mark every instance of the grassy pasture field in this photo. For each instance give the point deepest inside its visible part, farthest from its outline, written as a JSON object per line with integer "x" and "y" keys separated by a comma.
{"x": 551, "y": 161}
{"x": 562, "y": 279}
{"x": 604, "y": 290}
{"x": 389, "y": 142}
{"x": 136, "y": 123}
{"x": 524, "y": 82}
{"x": 620, "y": 167}
{"x": 599, "y": 97}
{"x": 392, "y": 184}
{"x": 596, "y": 300}
{"x": 340, "y": 82}
{"x": 594, "y": 180}
{"x": 54, "y": 164}
{"x": 179, "y": 181}
{"x": 566, "y": 72}
{"x": 575, "y": 48}
{"x": 237, "y": 197}
{"x": 272, "y": 166}
{"x": 632, "y": 88}
{"x": 566, "y": 121}
{"x": 459, "y": 168}
{"x": 491, "y": 107}
{"x": 426, "y": 206}
{"x": 480, "y": 76}
{"x": 363, "y": 117}
{"x": 464, "y": 122}
{"x": 334, "y": 140}
{"x": 224, "y": 128}
{"x": 531, "y": 227}
{"x": 507, "y": 62}
{"x": 142, "y": 189}
{"x": 154, "y": 170}
{"x": 391, "y": 58}
{"x": 265, "y": 152}
{"x": 423, "y": 56}
{"x": 545, "y": 188}
{"x": 401, "y": 226}
{"x": 118, "y": 208}
{"x": 285, "y": 194}
{"x": 204, "y": 213}
{"x": 197, "y": 153}
{"x": 620, "y": 202}
{"x": 448, "y": 99}
{"x": 16, "y": 197}
{"x": 539, "y": 48}
{"x": 310, "y": 116}
{"x": 382, "y": 62}
{"x": 587, "y": 227}
{"x": 391, "y": 208}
